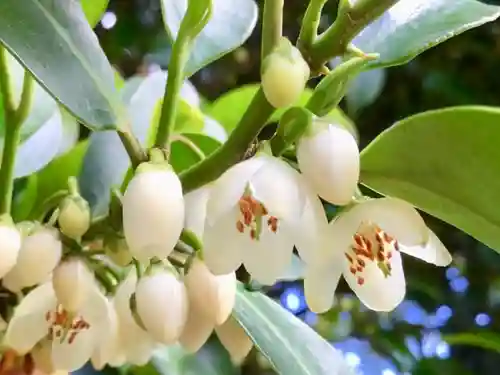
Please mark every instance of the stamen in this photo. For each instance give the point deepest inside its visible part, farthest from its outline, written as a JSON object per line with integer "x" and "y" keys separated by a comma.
{"x": 63, "y": 325}
{"x": 253, "y": 213}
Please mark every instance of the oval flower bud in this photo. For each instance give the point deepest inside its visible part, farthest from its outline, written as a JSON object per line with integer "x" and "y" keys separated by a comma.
{"x": 72, "y": 282}
{"x": 10, "y": 244}
{"x": 117, "y": 250}
{"x": 74, "y": 216}
{"x": 153, "y": 211}
{"x": 284, "y": 75}
{"x": 39, "y": 254}
{"x": 162, "y": 306}
{"x": 328, "y": 157}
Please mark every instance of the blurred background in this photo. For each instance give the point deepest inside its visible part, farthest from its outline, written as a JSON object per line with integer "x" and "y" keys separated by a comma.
{"x": 450, "y": 320}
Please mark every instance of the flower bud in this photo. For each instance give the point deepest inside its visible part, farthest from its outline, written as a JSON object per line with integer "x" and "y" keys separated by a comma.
{"x": 10, "y": 244}
{"x": 162, "y": 306}
{"x": 39, "y": 254}
{"x": 74, "y": 216}
{"x": 328, "y": 157}
{"x": 235, "y": 340}
{"x": 196, "y": 332}
{"x": 117, "y": 250}
{"x": 284, "y": 75}
{"x": 153, "y": 211}
{"x": 72, "y": 282}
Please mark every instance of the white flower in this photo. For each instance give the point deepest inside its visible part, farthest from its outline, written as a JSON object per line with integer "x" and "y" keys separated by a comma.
{"x": 235, "y": 340}
{"x": 153, "y": 212}
{"x": 72, "y": 281}
{"x": 365, "y": 246}
{"x": 39, "y": 254}
{"x": 73, "y": 336}
{"x": 10, "y": 244}
{"x": 257, "y": 211}
{"x": 162, "y": 306}
{"x": 74, "y": 216}
{"x": 328, "y": 157}
{"x": 137, "y": 344}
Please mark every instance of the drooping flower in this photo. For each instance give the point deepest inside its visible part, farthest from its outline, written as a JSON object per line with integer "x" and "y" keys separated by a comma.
{"x": 10, "y": 244}
{"x": 73, "y": 336}
{"x": 328, "y": 156}
{"x": 235, "y": 340}
{"x": 153, "y": 211}
{"x": 256, "y": 212}
{"x": 366, "y": 242}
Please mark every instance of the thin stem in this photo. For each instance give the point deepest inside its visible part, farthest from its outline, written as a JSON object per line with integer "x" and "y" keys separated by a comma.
{"x": 39, "y": 213}
{"x": 249, "y": 127}
{"x": 272, "y": 25}
{"x": 133, "y": 147}
{"x": 350, "y": 21}
{"x": 189, "y": 143}
{"x": 310, "y": 23}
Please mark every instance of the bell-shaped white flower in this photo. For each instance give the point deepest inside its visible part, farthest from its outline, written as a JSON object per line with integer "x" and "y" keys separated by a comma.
{"x": 72, "y": 282}
{"x": 136, "y": 344}
{"x": 162, "y": 305}
{"x": 39, "y": 254}
{"x": 235, "y": 340}
{"x": 73, "y": 336}
{"x": 10, "y": 244}
{"x": 366, "y": 242}
{"x": 328, "y": 156}
{"x": 153, "y": 211}
{"x": 257, "y": 211}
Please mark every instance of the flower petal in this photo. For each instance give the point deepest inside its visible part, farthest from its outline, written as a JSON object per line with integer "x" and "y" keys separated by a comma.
{"x": 379, "y": 293}
{"x": 73, "y": 356}
{"x": 196, "y": 332}
{"x": 235, "y": 340}
{"x": 196, "y": 209}
{"x": 319, "y": 287}
{"x": 433, "y": 251}
{"x": 223, "y": 244}
{"x": 227, "y": 190}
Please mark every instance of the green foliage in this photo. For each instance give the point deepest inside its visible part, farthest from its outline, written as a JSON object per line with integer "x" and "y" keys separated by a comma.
{"x": 94, "y": 9}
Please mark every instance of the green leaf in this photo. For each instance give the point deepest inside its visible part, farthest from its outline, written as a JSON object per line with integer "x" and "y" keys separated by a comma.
{"x": 54, "y": 41}
{"x": 364, "y": 89}
{"x": 190, "y": 148}
{"x": 289, "y": 344}
{"x": 484, "y": 340}
{"x": 94, "y": 9}
{"x": 231, "y": 24}
{"x": 444, "y": 162}
{"x": 412, "y": 26}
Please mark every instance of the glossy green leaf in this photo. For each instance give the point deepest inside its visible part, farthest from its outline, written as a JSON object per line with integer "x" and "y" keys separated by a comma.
{"x": 231, "y": 24}
{"x": 54, "y": 41}
{"x": 444, "y": 162}
{"x": 364, "y": 89}
{"x": 412, "y": 26}
{"x": 190, "y": 148}
{"x": 94, "y": 9}
{"x": 484, "y": 340}
{"x": 291, "y": 346}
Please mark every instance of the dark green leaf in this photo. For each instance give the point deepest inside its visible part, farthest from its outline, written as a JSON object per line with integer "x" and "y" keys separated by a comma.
{"x": 435, "y": 366}
{"x": 230, "y": 26}
{"x": 412, "y": 26}
{"x": 54, "y": 41}
{"x": 94, "y": 9}
{"x": 289, "y": 344}
{"x": 444, "y": 162}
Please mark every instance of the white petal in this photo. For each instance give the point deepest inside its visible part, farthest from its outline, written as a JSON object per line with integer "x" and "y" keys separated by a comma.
{"x": 379, "y": 293}
{"x": 268, "y": 258}
{"x": 279, "y": 187}
{"x": 395, "y": 216}
{"x": 10, "y": 244}
{"x": 223, "y": 244}
{"x": 339, "y": 236}
{"x": 72, "y": 282}
{"x": 228, "y": 189}
{"x": 235, "y": 340}
{"x": 108, "y": 347}
{"x": 196, "y": 210}
{"x": 196, "y": 332}
{"x": 329, "y": 159}
{"x": 319, "y": 287}
{"x": 433, "y": 251}
{"x": 28, "y": 324}
{"x": 226, "y": 293}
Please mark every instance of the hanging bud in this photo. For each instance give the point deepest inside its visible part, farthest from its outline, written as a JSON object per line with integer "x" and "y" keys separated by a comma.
{"x": 10, "y": 244}
{"x": 235, "y": 340}
{"x": 74, "y": 216}
{"x": 162, "y": 306}
{"x": 72, "y": 282}
{"x": 328, "y": 157}
{"x": 153, "y": 211}
{"x": 284, "y": 75}
{"x": 117, "y": 250}
{"x": 40, "y": 253}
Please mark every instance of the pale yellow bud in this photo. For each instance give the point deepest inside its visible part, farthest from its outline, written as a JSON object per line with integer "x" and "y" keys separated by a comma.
{"x": 74, "y": 216}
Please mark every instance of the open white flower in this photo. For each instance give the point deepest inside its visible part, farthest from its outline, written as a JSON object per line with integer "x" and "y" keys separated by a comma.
{"x": 366, "y": 243}
{"x": 257, "y": 211}
{"x": 73, "y": 336}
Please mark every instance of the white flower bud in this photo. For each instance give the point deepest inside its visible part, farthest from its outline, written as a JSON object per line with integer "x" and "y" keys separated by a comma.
{"x": 72, "y": 282}
{"x": 10, "y": 244}
{"x": 74, "y": 216}
{"x": 284, "y": 75}
{"x": 117, "y": 250}
{"x": 235, "y": 340}
{"x": 328, "y": 158}
{"x": 162, "y": 306}
{"x": 153, "y": 212}
{"x": 196, "y": 332}
{"x": 40, "y": 253}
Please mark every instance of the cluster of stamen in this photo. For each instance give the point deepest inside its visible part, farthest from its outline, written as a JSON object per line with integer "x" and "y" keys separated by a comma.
{"x": 252, "y": 214}
{"x": 372, "y": 246}
{"x": 65, "y": 326}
